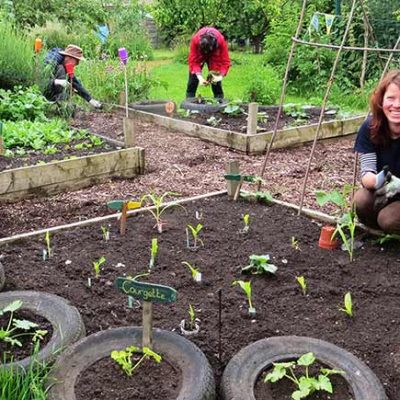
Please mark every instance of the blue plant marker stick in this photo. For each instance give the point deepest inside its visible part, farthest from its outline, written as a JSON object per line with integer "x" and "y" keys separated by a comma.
{"x": 130, "y": 305}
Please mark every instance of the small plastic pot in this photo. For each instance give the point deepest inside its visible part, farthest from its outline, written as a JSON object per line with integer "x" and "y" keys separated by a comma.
{"x": 187, "y": 332}
{"x": 325, "y": 240}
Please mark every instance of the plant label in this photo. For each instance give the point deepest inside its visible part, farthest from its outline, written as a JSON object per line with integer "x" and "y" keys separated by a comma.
{"x": 119, "y": 204}
{"x": 238, "y": 177}
{"x": 149, "y": 292}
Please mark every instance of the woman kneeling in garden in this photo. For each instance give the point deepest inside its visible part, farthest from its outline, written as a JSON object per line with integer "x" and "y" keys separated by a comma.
{"x": 378, "y": 143}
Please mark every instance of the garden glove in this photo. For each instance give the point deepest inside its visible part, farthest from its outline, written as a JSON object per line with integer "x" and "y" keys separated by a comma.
{"x": 202, "y": 81}
{"x": 61, "y": 82}
{"x": 382, "y": 177}
{"x": 391, "y": 188}
{"x": 95, "y": 103}
{"x": 215, "y": 78}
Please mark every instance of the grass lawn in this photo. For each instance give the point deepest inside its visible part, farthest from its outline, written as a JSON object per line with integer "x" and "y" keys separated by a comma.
{"x": 246, "y": 68}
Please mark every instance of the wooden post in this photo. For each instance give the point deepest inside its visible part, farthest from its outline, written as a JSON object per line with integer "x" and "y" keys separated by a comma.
{"x": 1, "y": 139}
{"x": 232, "y": 167}
{"x": 147, "y": 339}
{"x": 252, "y": 119}
{"x": 124, "y": 212}
{"x": 122, "y": 98}
{"x": 237, "y": 192}
{"x": 129, "y": 132}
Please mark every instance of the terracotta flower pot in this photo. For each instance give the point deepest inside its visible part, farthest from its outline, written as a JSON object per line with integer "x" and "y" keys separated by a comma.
{"x": 325, "y": 240}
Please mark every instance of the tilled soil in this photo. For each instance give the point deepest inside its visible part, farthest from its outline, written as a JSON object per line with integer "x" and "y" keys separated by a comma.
{"x": 373, "y": 279}
{"x": 189, "y": 166}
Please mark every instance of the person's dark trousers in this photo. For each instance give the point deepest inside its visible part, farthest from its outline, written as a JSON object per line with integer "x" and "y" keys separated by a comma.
{"x": 193, "y": 83}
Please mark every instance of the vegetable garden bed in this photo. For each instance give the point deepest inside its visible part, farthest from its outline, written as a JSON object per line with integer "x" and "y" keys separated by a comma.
{"x": 230, "y": 136}
{"x": 291, "y": 241}
{"x": 71, "y": 174}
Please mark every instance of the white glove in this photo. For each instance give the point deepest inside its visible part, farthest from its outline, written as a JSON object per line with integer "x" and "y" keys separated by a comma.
{"x": 202, "y": 81}
{"x": 216, "y": 78}
{"x": 95, "y": 103}
{"x": 61, "y": 82}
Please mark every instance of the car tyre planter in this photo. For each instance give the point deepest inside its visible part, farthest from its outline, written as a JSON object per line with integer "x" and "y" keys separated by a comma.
{"x": 65, "y": 319}
{"x": 2, "y": 277}
{"x": 197, "y": 379}
{"x": 194, "y": 105}
{"x": 245, "y": 367}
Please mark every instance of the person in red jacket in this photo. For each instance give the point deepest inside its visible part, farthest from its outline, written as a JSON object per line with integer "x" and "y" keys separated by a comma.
{"x": 208, "y": 46}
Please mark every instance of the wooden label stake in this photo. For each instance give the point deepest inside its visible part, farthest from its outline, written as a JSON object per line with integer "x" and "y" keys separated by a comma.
{"x": 149, "y": 293}
{"x": 123, "y": 206}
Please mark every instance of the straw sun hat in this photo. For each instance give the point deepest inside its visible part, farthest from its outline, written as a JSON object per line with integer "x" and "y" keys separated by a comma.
{"x": 73, "y": 51}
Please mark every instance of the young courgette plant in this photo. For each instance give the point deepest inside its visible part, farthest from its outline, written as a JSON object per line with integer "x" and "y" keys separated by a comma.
{"x": 125, "y": 358}
{"x": 11, "y": 333}
{"x": 157, "y": 202}
{"x": 259, "y": 265}
{"x": 196, "y": 274}
{"x": 153, "y": 253}
{"x": 246, "y": 287}
{"x": 347, "y": 305}
{"x": 305, "y": 384}
{"x": 195, "y": 231}
{"x": 191, "y": 326}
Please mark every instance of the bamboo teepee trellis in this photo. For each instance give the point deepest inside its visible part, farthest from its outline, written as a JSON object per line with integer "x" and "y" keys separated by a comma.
{"x": 295, "y": 41}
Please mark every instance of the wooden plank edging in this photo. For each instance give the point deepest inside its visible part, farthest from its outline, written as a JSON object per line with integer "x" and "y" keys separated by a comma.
{"x": 54, "y": 177}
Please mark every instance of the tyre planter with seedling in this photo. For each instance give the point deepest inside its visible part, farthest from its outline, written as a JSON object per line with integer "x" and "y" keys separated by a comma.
{"x": 123, "y": 343}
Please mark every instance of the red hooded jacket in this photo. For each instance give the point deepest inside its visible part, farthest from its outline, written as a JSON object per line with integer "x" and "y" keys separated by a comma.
{"x": 217, "y": 60}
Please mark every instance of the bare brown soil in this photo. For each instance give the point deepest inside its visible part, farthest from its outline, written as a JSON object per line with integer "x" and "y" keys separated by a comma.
{"x": 373, "y": 280}
{"x": 175, "y": 162}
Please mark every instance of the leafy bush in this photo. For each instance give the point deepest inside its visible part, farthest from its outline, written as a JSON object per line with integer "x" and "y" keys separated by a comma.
{"x": 71, "y": 12}
{"x": 126, "y": 30}
{"x": 16, "y": 57}
{"x": 20, "y": 104}
{"x": 264, "y": 85}
{"x": 37, "y": 135}
{"x": 57, "y": 34}
{"x": 105, "y": 80}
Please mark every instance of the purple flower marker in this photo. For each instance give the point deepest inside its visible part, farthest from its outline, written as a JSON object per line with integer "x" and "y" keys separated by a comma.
{"x": 123, "y": 55}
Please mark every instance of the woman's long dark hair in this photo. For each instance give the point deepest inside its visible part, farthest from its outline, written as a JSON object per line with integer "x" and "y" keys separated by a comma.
{"x": 380, "y": 132}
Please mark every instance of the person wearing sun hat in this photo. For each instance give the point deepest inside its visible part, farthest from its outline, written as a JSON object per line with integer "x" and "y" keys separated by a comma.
{"x": 58, "y": 59}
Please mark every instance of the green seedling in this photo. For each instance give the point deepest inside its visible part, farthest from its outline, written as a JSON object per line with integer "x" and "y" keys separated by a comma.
{"x": 246, "y": 287}
{"x": 10, "y": 333}
{"x": 105, "y": 233}
{"x": 347, "y": 221}
{"x": 158, "y": 207}
{"x": 213, "y": 121}
{"x": 195, "y": 234}
{"x": 259, "y": 265}
{"x": 153, "y": 253}
{"x": 48, "y": 252}
{"x": 262, "y": 197}
{"x": 303, "y": 284}
{"x": 389, "y": 237}
{"x": 196, "y": 274}
{"x": 295, "y": 243}
{"x": 348, "y": 305}
{"x": 305, "y": 384}
{"x": 124, "y": 358}
{"x": 246, "y": 221}
{"x": 96, "y": 266}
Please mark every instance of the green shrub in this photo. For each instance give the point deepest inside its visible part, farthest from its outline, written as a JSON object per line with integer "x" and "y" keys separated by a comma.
{"x": 57, "y": 34}
{"x": 105, "y": 80}
{"x": 263, "y": 86}
{"x": 16, "y": 58}
{"x": 20, "y": 104}
{"x": 126, "y": 24}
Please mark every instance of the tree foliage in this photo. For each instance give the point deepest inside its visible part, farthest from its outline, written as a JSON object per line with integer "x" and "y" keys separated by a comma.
{"x": 237, "y": 19}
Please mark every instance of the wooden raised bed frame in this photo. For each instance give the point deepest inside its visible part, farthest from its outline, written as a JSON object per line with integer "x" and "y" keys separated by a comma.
{"x": 252, "y": 144}
{"x": 55, "y": 177}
